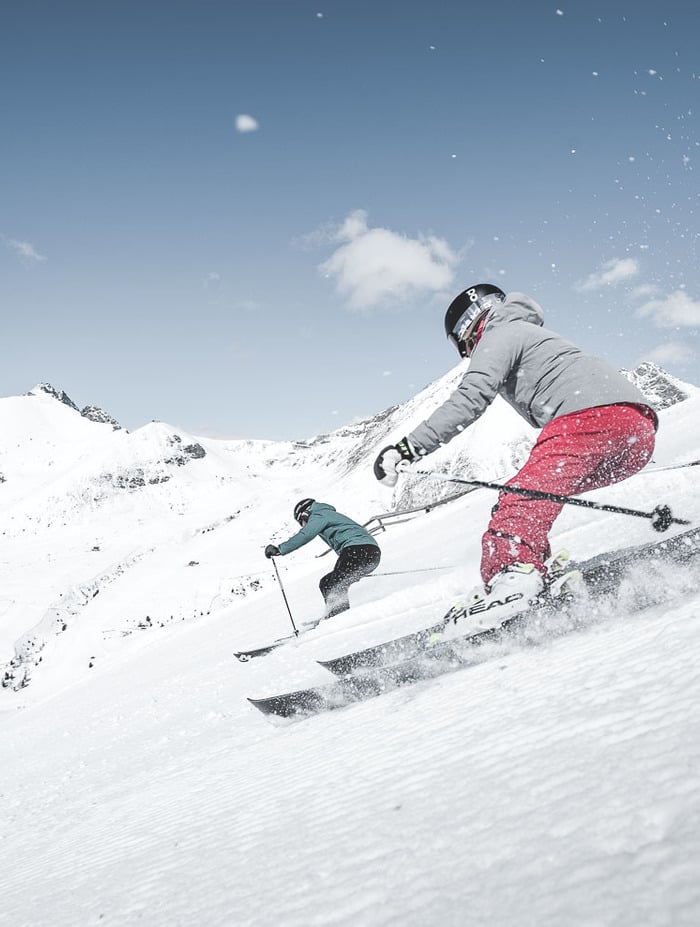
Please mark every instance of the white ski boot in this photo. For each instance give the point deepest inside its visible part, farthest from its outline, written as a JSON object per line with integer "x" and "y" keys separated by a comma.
{"x": 510, "y": 592}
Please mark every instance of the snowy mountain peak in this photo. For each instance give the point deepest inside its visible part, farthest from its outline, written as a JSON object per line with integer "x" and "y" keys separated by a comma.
{"x": 95, "y": 414}
{"x": 58, "y": 394}
{"x": 660, "y": 388}
{"x": 90, "y": 412}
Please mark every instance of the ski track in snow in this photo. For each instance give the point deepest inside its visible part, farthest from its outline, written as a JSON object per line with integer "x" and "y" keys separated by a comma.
{"x": 558, "y": 785}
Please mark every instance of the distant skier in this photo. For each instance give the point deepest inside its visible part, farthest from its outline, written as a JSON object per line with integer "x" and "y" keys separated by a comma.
{"x": 597, "y": 429}
{"x": 359, "y": 553}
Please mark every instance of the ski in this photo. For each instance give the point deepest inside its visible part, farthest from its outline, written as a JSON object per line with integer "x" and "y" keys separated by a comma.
{"x": 354, "y": 687}
{"x": 443, "y": 658}
{"x": 601, "y": 576}
{"x": 394, "y": 648}
{"x": 246, "y": 655}
{"x": 391, "y": 651}
{"x": 316, "y": 699}
{"x": 366, "y": 674}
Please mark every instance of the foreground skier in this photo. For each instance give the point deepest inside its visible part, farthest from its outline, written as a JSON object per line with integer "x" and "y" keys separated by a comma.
{"x": 597, "y": 429}
{"x": 358, "y": 551}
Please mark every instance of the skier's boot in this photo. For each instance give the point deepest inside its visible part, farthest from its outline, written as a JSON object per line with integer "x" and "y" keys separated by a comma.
{"x": 562, "y": 580}
{"x": 510, "y": 592}
{"x": 557, "y": 564}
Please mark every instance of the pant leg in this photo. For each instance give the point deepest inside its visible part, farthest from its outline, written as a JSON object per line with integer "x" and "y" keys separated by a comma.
{"x": 353, "y": 563}
{"x": 574, "y": 453}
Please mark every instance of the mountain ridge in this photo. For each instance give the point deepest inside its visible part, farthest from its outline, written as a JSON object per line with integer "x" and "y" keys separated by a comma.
{"x": 91, "y": 412}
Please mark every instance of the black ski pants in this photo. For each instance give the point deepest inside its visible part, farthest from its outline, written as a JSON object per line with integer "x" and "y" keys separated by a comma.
{"x": 354, "y": 562}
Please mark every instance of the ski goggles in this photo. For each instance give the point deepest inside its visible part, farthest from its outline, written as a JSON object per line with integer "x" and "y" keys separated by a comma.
{"x": 303, "y": 516}
{"x": 463, "y": 334}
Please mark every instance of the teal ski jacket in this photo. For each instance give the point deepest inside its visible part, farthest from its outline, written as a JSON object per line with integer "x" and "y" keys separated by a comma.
{"x": 337, "y": 530}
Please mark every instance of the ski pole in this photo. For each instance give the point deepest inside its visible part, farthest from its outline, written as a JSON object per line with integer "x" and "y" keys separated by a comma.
{"x": 406, "y": 572}
{"x": 661, "y": 517}
{"x": 691, "y": 463}
{"x": 284, "y": 596}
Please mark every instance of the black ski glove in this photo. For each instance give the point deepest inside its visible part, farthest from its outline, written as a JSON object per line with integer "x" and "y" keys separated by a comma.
{"x": 386, "y": 465}
{"x": 272, "y": 551}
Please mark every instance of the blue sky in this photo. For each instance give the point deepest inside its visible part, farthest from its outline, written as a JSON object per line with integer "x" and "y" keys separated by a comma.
{"x": 247, "y": 218}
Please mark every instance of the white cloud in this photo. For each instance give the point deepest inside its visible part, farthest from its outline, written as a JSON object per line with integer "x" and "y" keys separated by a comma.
{"x": 247, "y": 305}
{"x": 245, "y": 123}
{"x": 672, "y": 353}
{"x": 643, "y": 291}
{"x": 25, "y": 250}
{"x": 611, "y": 273}
{"x": 677, "y": 310}
{"x": 373, "y": 267}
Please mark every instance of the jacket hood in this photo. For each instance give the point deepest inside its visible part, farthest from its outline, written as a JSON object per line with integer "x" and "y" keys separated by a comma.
{"x": 322, "y": 507}
{"x": 521, "y": 307}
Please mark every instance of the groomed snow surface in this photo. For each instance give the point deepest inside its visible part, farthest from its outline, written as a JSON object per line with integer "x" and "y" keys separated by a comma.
{"x": 555, "y": 783}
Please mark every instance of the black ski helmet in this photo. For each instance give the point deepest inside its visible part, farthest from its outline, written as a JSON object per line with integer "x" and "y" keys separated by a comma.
{"x": 466, "y": 310}
{"x": 302, "y": 510}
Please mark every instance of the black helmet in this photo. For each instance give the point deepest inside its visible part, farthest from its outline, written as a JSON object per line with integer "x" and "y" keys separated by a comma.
{"x": 465, "y": 312}
{"x": 302, "y": 510}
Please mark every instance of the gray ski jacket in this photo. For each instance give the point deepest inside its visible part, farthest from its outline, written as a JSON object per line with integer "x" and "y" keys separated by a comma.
{"x": 539, "y": 373}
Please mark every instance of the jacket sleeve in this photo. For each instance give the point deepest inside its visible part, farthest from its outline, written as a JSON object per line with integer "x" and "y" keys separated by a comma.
{"x": 311, "y": 529}
{"x": 489, "y": 368}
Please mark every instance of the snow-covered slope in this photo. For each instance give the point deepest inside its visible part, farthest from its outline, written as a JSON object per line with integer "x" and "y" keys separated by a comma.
{"x": 553, "y": 784}
{"x": 104, "y": 531}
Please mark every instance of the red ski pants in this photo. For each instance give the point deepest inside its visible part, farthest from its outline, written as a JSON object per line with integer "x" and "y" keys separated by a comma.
{"x": 573, "y": 454}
